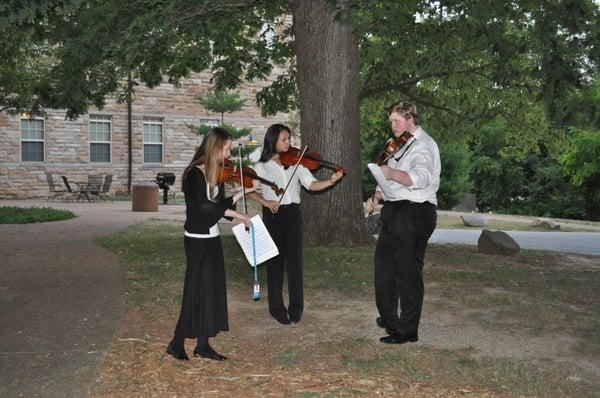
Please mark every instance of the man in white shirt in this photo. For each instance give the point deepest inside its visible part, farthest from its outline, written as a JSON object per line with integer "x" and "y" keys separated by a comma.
{"x": 408, "y": 219}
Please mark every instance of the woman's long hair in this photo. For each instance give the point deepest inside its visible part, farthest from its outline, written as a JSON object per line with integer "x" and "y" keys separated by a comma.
{"x": 270, "y": 142}
{"x": 209, "y": 154}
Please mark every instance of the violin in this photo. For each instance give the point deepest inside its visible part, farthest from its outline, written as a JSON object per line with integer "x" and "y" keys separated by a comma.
{"x": 391, "y": 147}
{"x": 230, "y": 173}
{"x": 310, "y": 160}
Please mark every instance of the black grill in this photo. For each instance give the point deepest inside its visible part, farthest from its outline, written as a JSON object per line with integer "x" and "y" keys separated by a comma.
{"x": 164, "y": 181}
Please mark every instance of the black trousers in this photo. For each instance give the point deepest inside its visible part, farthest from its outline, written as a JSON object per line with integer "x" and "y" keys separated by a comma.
{"x": 285, "y": 228}
{"x": 399, "y": 257}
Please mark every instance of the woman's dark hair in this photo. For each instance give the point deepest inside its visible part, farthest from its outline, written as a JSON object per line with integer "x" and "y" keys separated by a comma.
{"x": 271, "y": 138}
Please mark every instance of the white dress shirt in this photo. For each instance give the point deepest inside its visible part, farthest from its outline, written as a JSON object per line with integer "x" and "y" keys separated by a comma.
{"x": 276, "y": 173}
{"x": 420, "y": 158}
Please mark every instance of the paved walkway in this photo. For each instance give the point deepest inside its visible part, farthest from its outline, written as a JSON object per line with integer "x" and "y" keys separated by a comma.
{"x": 61, "y": 298}
{"x": 566, "y": 242}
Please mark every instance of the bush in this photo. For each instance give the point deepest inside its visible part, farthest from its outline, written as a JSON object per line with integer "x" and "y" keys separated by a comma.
{"x": 455, "y": 181}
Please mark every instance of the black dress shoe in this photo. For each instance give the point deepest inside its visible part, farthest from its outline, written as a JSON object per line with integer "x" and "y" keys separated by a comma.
{"x": 182, "y": 356}
{"x": 210, "y": 354}
{"x": 399, "y": 338}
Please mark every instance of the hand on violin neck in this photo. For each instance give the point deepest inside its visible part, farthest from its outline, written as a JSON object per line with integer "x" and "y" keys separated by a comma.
{"x": 324, "y": 184}
{"x": 335, "y": 177}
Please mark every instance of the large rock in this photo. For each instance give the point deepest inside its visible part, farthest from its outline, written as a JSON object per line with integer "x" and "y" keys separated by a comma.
{"x": 473, "y": 220}
{"x": 546, "y": 224}
{"x": 497, "y": 242}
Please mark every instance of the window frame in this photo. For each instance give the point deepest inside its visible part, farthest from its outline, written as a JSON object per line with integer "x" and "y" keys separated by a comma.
{"x": 43, "y": 140}
{"x": 154, "y": 120}
{"x": 98, "y": 118}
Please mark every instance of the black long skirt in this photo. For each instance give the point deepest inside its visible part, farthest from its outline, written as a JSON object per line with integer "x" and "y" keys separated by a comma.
{"x": 204, "y": 303}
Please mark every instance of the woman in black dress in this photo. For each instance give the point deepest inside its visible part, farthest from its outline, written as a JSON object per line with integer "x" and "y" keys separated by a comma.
{"x": 204, "y": 304}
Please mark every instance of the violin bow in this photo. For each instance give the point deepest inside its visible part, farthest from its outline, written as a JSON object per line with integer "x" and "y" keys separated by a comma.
{"x": 294, "y": 172}
{"x": 242, "y": 180}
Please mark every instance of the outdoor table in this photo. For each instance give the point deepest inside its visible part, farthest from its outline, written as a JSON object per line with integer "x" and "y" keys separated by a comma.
{"x": 85, "y": 188}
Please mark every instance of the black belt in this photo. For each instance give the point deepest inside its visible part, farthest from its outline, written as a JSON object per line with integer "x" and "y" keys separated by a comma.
{"x": 404, "y": 202}
{"x": 289, "y": 205}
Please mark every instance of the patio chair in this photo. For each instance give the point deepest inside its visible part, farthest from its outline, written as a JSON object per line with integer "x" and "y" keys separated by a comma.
{"x": 103, "y": 194}
{"x": 53, "y": 192}
{"x": 70, "y": 194}
{"x": 94, "y": 186}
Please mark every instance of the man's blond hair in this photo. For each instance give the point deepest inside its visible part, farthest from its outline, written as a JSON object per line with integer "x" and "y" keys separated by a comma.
{"x": 405, "y": 109}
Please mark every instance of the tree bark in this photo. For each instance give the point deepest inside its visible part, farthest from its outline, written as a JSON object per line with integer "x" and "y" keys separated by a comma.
{"x": 328, "y": 68}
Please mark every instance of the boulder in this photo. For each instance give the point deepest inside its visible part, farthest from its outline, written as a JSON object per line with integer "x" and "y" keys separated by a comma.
{"x": 497, "y": 242}
{"x": 473, "y": 220}
{"x": 546, "y": 224}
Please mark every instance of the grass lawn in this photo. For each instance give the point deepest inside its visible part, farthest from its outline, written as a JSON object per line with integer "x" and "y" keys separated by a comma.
{"x": 23, "y": 215}
{"x": 491, "y": 326}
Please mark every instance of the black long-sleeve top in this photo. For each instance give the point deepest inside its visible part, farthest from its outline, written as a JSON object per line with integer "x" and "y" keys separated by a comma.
{"x": 202, "y": 213}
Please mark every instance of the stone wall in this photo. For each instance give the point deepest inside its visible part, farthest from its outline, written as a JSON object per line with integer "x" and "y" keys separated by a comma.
{"x": 67, "y": 142}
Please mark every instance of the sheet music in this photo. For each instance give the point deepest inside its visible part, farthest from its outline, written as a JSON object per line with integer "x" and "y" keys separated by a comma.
{"x": 385, "y": 186}
{"x": 265, "y": 246}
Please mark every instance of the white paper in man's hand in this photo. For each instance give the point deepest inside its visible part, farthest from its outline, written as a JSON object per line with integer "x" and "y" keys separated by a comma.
{"x": 264, "y": 244}
{"x": 383, "y": 183}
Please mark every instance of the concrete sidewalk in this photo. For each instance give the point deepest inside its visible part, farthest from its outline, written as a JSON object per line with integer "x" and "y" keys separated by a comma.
{"x": 61, "y": 297}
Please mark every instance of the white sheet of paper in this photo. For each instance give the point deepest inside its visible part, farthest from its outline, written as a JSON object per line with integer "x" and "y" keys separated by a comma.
{"x": 265, "y": 246}
{"x": 385, "y": 186}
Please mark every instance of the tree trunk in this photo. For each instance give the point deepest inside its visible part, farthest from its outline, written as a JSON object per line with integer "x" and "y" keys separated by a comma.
{"x": 328, "y": 67}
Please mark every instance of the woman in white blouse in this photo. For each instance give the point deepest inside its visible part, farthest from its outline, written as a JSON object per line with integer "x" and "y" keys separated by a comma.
{"x": 283, "y": 219}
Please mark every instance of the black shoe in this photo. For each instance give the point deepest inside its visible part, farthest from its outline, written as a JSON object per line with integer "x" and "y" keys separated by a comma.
{"x": 209, "y": 353}
{"x": 281, "y": 318}
{"x": 182, "y": 356}
{"x": 399, "y": 338}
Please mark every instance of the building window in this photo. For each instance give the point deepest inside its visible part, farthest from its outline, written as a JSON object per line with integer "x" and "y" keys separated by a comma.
{"x": 153, "y": 140}
{"x": 32, "y": 140}
{"x": 100, "y": 132}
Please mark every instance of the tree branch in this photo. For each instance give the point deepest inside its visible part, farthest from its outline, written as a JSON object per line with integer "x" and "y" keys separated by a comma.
{"x": 382, "y": 89}
{"x": 433, "y": 105}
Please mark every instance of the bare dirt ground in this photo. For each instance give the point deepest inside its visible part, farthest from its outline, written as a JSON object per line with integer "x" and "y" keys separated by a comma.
{"x": 333, "y": 351}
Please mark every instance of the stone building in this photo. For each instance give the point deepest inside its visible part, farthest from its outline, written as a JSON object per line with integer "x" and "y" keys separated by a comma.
{"x": 98, "y": 142}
